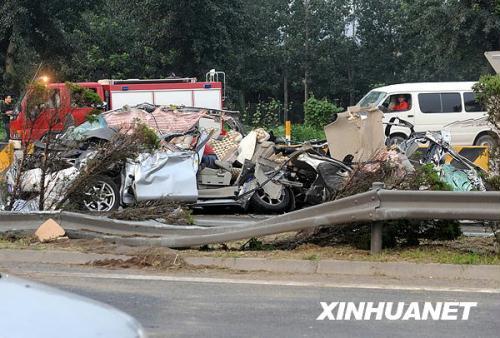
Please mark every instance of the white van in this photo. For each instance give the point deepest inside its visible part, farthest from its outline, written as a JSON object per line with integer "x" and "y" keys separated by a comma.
{"x": 432, "y": 106}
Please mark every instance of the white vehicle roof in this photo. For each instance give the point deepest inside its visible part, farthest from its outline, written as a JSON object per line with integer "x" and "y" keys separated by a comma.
{"x": 427, "y": 87}
{"x": 32, "y": 310}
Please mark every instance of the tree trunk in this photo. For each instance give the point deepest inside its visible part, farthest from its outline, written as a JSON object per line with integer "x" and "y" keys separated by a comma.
{"x": 242, "y": 100}
{"x": 350, "y": 79}
{"x": 10, "y": 71}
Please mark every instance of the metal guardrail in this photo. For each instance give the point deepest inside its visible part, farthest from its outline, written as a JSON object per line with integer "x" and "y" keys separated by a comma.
{"x": 375, "y": 207}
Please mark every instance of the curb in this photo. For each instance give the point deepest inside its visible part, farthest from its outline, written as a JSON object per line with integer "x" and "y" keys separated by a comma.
{"x": 353, "y": 268}
{"x": 53, "y": 257}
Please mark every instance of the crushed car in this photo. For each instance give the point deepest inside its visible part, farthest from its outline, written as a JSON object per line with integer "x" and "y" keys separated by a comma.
{"x": 432, "y": 148}
{"x": 203, "y": 158}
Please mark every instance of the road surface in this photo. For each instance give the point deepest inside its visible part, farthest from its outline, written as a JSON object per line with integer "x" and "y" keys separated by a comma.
{"x": 187, "y": 305}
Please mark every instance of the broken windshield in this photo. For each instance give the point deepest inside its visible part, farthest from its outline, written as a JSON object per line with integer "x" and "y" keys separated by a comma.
{"x": 372, "y": 98}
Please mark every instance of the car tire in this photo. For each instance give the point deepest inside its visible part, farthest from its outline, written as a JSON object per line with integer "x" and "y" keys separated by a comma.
{"x": 261, "y": 201}
{"x": 109, "y": 195}
{"x": 396, "y": 139}
{"x": 487, "y": 140}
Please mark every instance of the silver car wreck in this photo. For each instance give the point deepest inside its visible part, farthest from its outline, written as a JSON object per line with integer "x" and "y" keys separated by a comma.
{"x": 205, "y": 159}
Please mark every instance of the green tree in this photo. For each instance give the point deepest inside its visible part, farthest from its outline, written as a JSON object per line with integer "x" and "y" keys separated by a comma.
{"x": 42, "y": 25}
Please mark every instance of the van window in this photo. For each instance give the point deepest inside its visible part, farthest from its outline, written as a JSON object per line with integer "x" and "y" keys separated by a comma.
{"x": 440, "y": 103}
{"x": 371, "y": 98}
{"x": 429, "y": 103}
{"x": 472, "y": 105}
{"x": 398, "y": 103}
{"x": 452, "y": 103}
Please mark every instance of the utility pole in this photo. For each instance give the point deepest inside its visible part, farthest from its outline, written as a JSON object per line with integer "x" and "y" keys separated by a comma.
{"x": 288, "y": 125}
{"x": 306, "y": 48}
{"x": 285, "y": 95}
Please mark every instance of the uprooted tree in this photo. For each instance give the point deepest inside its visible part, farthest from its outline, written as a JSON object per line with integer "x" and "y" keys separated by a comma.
{"x": 41, "y": 103}
{"x": 39, "y": 164}
{"x": 395, "y": 233}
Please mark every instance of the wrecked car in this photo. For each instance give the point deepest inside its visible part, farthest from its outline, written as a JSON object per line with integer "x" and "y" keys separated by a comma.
{"x": 432, "y": 148}
{"x": 203, "y": 158}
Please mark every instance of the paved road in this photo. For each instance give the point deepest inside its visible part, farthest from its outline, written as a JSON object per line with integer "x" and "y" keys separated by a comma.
{"x": 173, "y": 306}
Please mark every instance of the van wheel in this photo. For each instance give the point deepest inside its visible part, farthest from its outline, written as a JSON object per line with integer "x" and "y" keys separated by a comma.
{"x": 487, "y": 141}
{"x": 396, "y": 139}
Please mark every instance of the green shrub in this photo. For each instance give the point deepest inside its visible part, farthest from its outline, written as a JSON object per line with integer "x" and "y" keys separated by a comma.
{"x": 427, "y": 176}
{"x": 403, "y": 233}
{"x": 301, "y": 133}
{"x": 319, "y": 113}
{"x": 488, "y": 93}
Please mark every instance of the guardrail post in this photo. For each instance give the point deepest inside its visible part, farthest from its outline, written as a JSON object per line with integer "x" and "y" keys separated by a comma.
{"x": 376, "y": 227}
{"x": 376, "y": 238}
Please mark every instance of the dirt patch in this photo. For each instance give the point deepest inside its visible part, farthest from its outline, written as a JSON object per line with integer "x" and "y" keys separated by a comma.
{"x": 153, "y": 258}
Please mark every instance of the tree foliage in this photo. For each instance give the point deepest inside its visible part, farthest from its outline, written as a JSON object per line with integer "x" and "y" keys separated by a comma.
{"x": 488, "y": 92}
{"x": 319, "y": 113}
{"x": 338, "y": 49}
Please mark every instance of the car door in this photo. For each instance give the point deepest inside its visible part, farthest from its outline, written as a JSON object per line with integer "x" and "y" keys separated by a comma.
{"x": 46, "y": 117}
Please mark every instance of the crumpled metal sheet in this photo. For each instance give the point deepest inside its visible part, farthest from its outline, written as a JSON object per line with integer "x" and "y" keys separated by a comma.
{"x": 456, "y": 178}
{"x": 170, "y": 176}
{"x": 26, "y": 206}
{"x": 356, "y": 132}
{"x": 163, "y": 120}
{"x": 246, "y": 148}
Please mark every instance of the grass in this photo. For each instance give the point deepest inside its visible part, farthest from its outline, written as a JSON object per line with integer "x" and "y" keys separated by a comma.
{"x": 23, "y": 243}
{"x": 313, "y": 257}
{"x": 445, "y": 256}
{"x": 464, "y": 251}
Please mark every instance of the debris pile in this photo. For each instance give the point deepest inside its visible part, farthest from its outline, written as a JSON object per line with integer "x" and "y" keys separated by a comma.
{"x": 152, "y": 258}
{"x": 183, "y": 155}
{"x": 155, "y": 158}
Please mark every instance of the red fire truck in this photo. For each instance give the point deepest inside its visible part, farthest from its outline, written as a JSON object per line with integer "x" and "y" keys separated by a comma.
{"x": 116, "y": 94}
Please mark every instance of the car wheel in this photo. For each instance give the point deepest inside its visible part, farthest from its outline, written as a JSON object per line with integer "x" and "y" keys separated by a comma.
{"x": 262, "y": 201}
{"x": 396, "y": 139}
{"x": 487, "y": 140}
{"x": 102, "y": 194}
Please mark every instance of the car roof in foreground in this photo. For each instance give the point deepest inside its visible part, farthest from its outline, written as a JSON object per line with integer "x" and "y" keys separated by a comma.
{"x": 34, "y": 310}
